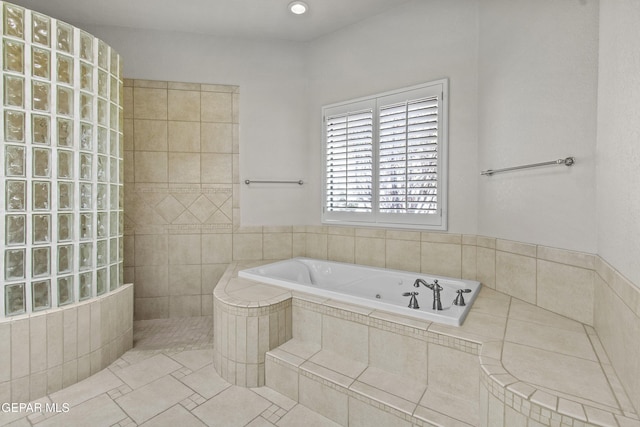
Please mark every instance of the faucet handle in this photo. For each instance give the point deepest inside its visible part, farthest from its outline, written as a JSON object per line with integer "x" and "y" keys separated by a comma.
{"x": 460, "y": 298}
{"x": 413, "y": 302}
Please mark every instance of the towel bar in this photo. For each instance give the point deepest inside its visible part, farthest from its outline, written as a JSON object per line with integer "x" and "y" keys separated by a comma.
{"x": 566, "y": 161}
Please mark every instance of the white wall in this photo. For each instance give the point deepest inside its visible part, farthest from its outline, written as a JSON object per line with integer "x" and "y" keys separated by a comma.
{"x": 272, "y": 77}
{"x": 411, "y": 44}
{"x": 618, "y": 146}
{"x": 537, "y": 102}
{"x": 523, "y": 86}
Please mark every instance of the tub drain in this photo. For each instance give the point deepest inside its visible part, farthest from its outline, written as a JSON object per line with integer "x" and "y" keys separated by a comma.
{"x": 378, "y": 296}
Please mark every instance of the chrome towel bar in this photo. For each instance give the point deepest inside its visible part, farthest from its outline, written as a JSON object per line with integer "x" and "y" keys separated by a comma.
{"x": 568, "y": 161}
{"x": 249, "y": 181}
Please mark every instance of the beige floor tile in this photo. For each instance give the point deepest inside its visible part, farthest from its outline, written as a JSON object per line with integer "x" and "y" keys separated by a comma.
{"x": 234, "y": 407}
{"x": 89, "y": 388}
{"x": 22, "y": 422}
{"x": 174, "y": 416}
{"x": 206, "y": 382}
{"x": 571, "y": 375}
{"x": 273, "y": 396}
{"x": 148, "y": 370}
{"x": 99, "y": 411}
{"x": 134, "y": 356}
{"x": 302, "y": 416}
{"x": 260, "y": 422}
{"x": 154, "y": 398}
{"x": 194, "y": 359}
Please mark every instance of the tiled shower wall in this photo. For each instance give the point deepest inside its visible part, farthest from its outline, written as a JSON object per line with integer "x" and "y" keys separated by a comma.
{"x": 181, "y": 175}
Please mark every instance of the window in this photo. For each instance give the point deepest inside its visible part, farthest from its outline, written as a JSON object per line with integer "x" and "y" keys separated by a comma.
{"x": 385, "y": 159}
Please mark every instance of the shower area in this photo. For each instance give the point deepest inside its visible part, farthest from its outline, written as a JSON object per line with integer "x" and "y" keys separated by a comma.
{"x": 65, "y": 312}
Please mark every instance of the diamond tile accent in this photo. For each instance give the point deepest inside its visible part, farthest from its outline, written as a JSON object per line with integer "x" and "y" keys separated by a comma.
{"x": 220, "y": 198}
{"x": 169, "y": 208}
{"x": 186, "y": 218}
{"x": 219, "y": 218}
{"x": 202, "y": 208}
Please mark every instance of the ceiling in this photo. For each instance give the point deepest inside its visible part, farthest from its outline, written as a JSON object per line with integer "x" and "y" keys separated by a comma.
{"x": 262, "y": 19}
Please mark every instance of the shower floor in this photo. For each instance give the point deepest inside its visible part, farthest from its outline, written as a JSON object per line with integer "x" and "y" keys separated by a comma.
{"x": 167, "y": 379}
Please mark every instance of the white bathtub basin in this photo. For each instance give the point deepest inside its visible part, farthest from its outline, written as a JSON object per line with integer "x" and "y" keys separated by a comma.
{"x": 373, "y": 287}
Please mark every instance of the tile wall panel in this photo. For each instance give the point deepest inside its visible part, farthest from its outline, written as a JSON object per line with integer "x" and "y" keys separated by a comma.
{"x": 179, "y": 194}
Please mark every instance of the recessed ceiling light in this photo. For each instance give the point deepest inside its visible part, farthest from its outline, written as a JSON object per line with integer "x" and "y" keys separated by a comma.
{"x": 298, "y": 7}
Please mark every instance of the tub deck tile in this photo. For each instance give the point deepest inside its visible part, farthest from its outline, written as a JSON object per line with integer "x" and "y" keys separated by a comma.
{"x": 575, "y": 376}
{"x": 257, "y": 293}
{"x": 400, "y": 320}
{"x": 383, "y": 397}
{"x": 301, "y": 349}
{"x": 436, "y": 418}
{"x": 435, "y": 401}
{"x": 338, "y": 363}
{"x": 327, "y": 374}
{"x": 286, "y": 357}
{"x": 554, "y": 339}
{"x": 478, "y": 327}
{"x": 535, "y": 363}
{"x": 397, "y": 385}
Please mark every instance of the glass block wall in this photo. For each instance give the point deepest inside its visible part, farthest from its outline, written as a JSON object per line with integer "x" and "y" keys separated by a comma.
{"x": 61, "y": 164}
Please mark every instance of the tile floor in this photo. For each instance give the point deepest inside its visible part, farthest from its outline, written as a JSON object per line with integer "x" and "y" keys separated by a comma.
{"x": 167, "y": 379}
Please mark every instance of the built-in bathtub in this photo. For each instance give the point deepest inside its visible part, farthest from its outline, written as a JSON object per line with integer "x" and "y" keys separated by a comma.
{"x": 378, "y": 288}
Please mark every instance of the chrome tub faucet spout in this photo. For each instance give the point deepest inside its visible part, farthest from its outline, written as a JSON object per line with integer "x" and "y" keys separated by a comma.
{"x": 435, "y": 287}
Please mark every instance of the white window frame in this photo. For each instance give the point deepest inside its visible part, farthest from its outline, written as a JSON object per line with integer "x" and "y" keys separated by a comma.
{"x": 436, "y": 221}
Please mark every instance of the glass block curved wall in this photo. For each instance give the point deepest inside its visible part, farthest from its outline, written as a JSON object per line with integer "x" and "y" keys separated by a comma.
{"x": 61, "y": 164}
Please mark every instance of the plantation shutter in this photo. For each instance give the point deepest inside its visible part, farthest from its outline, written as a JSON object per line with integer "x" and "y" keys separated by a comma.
{"x": 408, "y": 157}
{"x": 385, "y": 159}
{"x": 349, "y": 162}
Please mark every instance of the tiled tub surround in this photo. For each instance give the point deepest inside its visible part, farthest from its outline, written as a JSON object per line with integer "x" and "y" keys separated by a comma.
{"x": 580, "y": 286}
{"x": 510, "y": 364}
{"x": 46, "y": 351}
